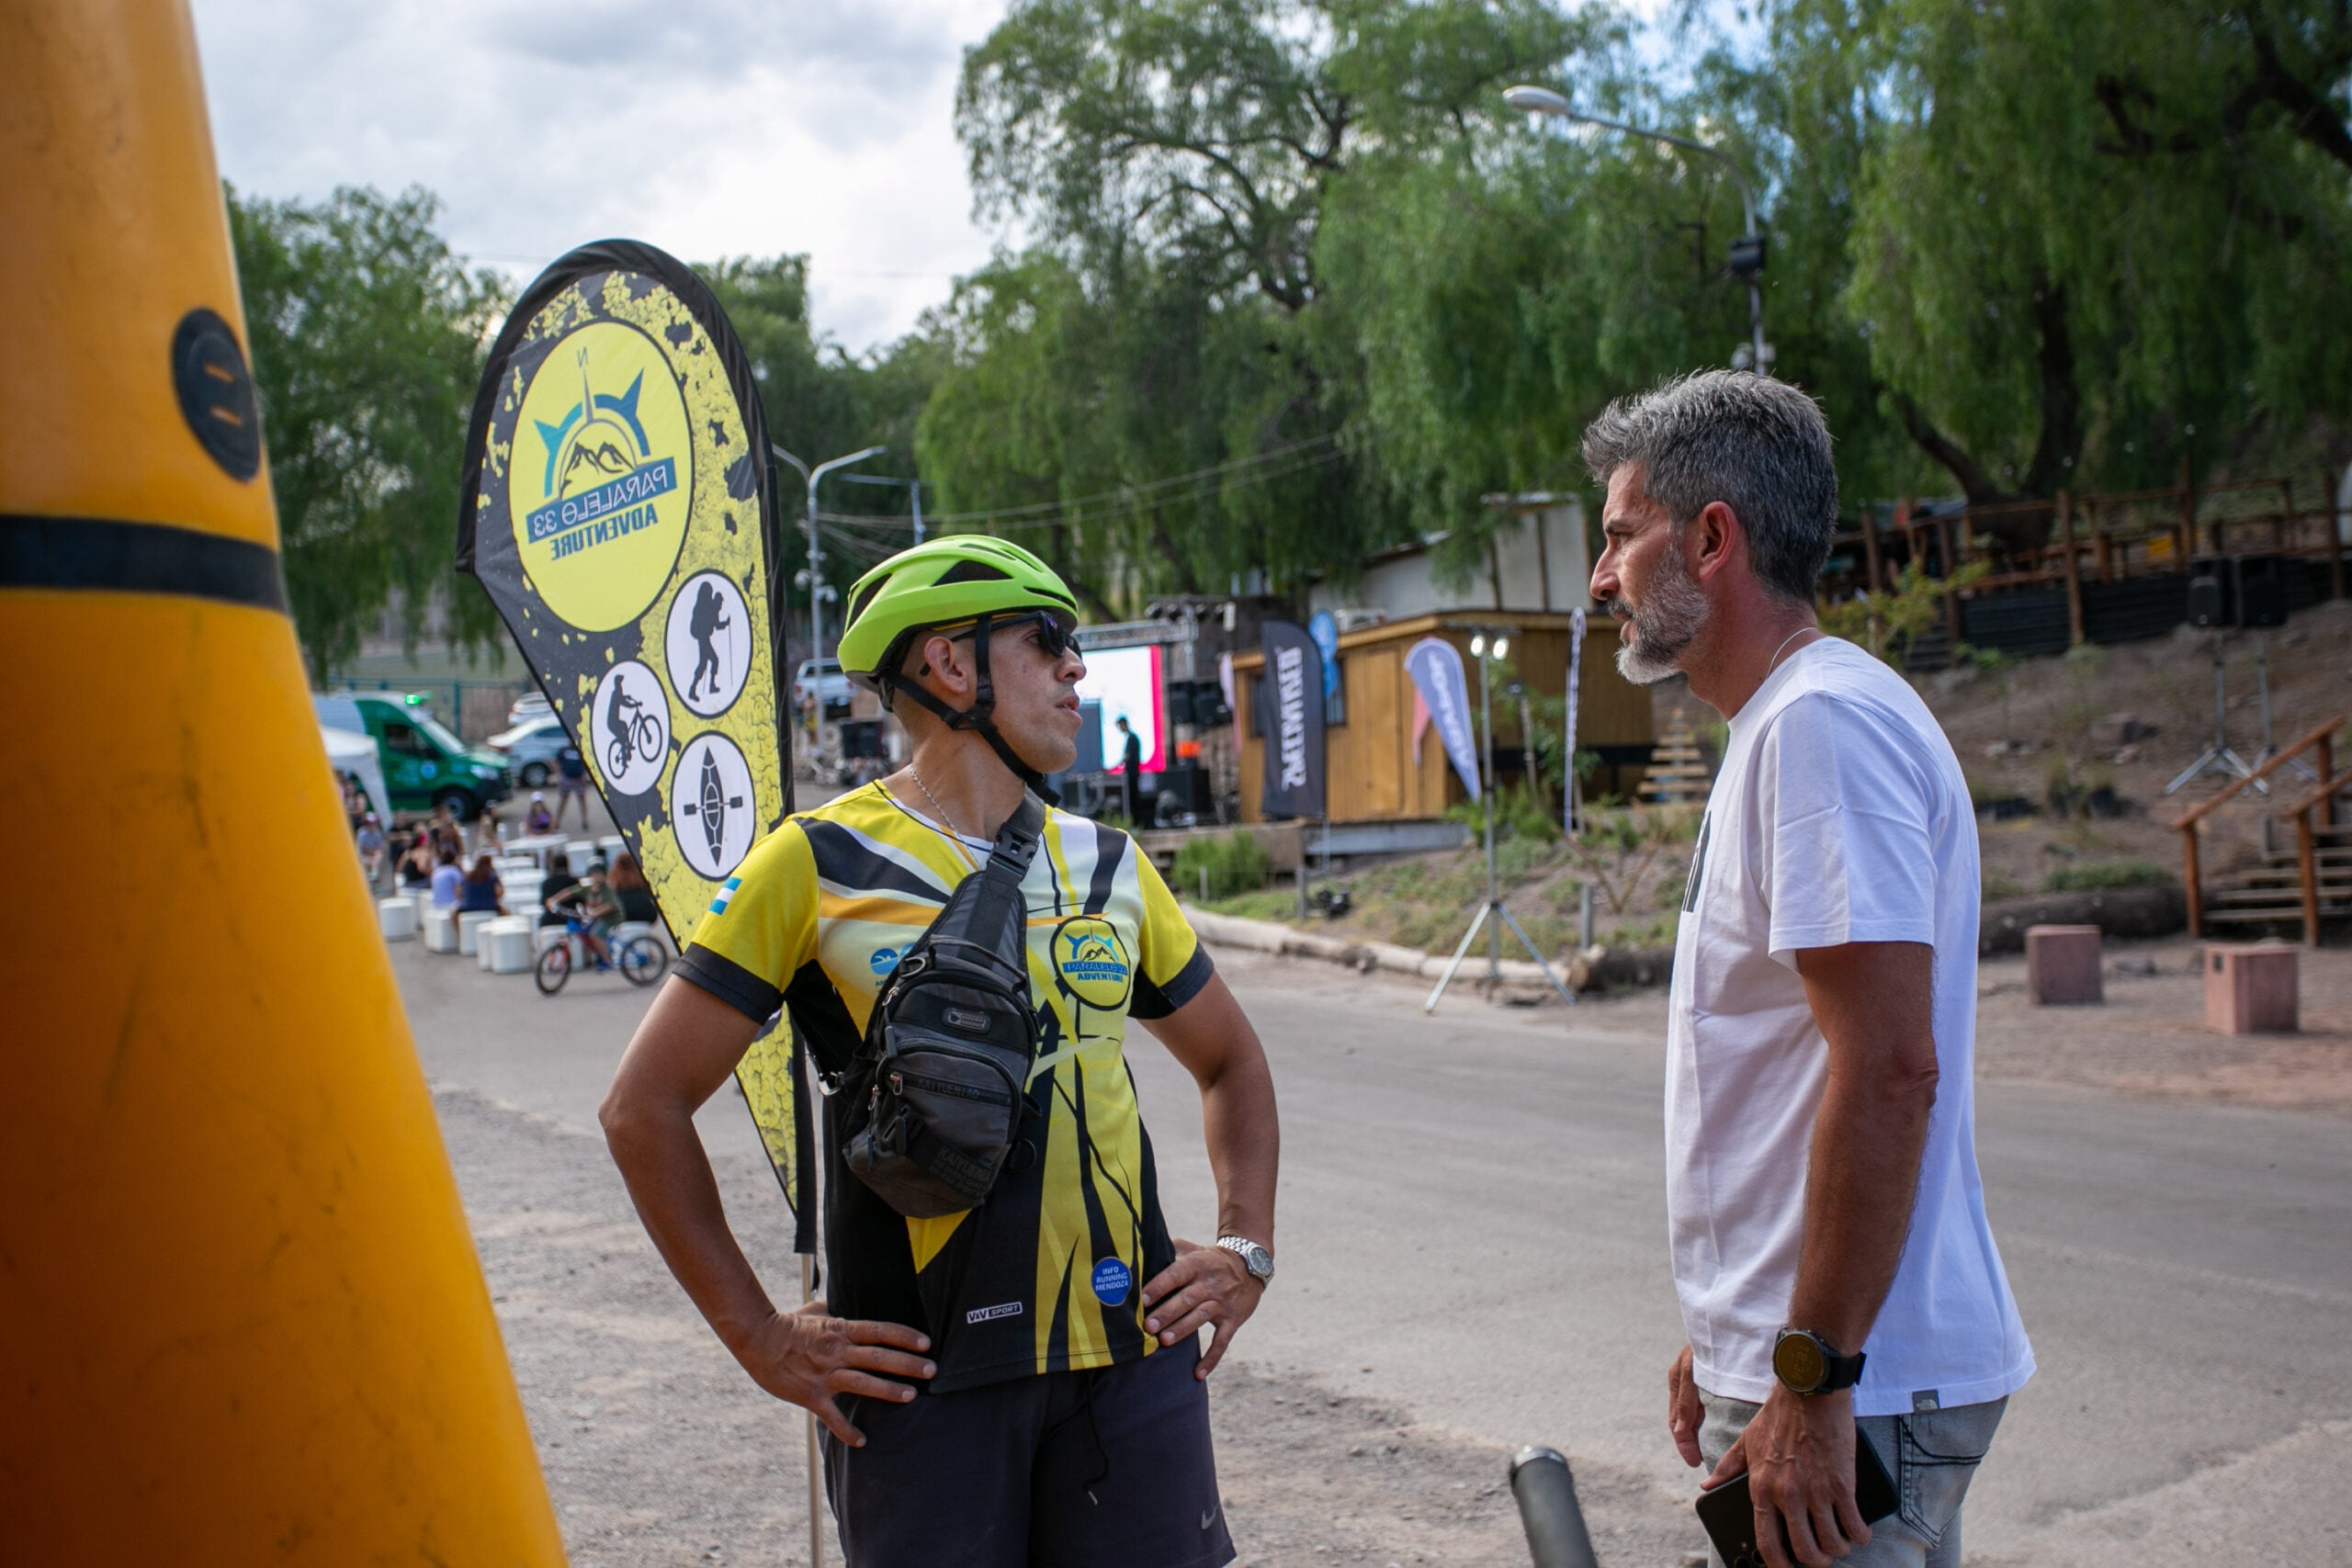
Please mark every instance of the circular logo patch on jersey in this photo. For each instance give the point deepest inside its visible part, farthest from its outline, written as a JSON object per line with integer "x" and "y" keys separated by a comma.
{"x": 602, "y": 475}
{"x": 1112, "y": 1281}
{"x": 1091, "y": 962}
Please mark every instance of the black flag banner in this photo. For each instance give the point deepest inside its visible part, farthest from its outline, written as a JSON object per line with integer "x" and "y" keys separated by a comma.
{"x": 620, "y": 509}
{"x": 1293, "y": 721}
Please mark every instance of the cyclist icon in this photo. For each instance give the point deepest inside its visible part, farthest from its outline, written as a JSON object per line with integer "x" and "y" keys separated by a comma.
{"x": 710, "y": 619}
{"x": 631, "y": 728}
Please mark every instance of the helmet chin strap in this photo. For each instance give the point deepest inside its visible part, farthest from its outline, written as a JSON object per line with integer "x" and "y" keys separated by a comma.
{"x": 980, "y": 718}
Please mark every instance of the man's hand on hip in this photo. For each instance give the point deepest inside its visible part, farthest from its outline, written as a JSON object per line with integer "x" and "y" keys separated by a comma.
{"x": 808, "y": 1358}
{"x": 1683, "y": 1411}
{"x": 1206, "y": 1285}
{"x": 1799, "y": 1455}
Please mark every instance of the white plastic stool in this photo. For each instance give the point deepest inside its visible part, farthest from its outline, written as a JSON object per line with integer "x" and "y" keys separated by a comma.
{"x": 423, "y": 898}
{"x": 578, "y": 853}
{"x": 470, "y": 924}
{"x": 544, "y": 937}
{"x": 611, "y": 844}
{"x": 628, "y": 930}
{"x": 440, "y": 933}
{"x": 524, "y": 887}
{"x": 506, "y": 946}
{"x": 398, "y": 917}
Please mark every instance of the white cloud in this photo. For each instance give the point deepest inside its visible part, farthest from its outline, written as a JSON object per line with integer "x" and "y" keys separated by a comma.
{"x": 708, "y": 128}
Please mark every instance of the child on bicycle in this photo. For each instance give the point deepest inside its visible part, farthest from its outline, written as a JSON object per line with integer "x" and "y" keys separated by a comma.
{"x": 591, "y": 902}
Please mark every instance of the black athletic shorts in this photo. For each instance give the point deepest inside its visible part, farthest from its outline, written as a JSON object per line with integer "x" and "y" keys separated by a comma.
{"x": 1109, "y": 1468}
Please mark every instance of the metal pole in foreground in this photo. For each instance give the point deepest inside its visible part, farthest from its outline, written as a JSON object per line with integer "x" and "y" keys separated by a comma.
{"x": 1494, "y": 897}
{"x": 816, "y": 1466}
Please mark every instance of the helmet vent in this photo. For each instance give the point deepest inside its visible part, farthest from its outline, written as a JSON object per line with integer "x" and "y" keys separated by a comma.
{"x": 973, "y": 571}
{"x": 857, "y": 607}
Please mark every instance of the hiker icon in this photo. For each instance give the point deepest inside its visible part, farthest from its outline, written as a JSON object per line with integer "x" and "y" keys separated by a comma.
{"x": 708, "y": 634}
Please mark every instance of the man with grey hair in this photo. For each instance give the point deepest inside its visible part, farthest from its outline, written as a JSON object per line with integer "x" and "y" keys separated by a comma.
{"x": 1831, "y": 1254}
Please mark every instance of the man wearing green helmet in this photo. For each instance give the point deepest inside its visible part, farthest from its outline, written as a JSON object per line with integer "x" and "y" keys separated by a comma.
{"x": 1021, "y": 1382}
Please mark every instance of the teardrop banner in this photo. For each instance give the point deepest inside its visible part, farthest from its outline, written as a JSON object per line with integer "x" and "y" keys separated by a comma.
{"x": 620, "y": 509}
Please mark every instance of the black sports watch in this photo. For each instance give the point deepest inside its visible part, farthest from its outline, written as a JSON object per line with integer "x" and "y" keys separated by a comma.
{"x": 1806, "y": 1363}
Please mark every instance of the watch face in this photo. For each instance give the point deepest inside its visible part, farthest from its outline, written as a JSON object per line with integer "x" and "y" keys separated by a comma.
{"x": 1798, "y": 1362}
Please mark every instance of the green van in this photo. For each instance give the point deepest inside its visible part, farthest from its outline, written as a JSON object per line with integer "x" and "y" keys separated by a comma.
{"x": 425, "y": 765}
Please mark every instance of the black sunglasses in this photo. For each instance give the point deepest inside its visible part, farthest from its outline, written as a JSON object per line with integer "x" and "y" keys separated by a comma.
{"x": 1051, "y": 638}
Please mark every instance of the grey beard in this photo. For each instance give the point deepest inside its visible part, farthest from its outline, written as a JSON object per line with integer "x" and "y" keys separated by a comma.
{"x": 1673, "y": 611}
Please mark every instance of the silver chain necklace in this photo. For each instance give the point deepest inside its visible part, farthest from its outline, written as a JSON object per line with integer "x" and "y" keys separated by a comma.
{"x": 954, "y": 834}
{"x": 1767, "y": 663}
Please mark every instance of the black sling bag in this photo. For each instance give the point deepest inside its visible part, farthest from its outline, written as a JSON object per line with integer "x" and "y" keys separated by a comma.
{"x": 940, "y": 1083}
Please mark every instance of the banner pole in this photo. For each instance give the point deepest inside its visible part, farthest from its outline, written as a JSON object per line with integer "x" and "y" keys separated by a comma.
{"x": 816, "y": 1463}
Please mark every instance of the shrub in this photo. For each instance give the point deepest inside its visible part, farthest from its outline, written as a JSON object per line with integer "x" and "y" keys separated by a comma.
{"x": 1230, "y": 862}
{"x": 2103, "y": 875}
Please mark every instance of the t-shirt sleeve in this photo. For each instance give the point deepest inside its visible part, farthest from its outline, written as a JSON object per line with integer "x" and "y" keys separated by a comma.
{"x": 759, "y": 928}
{"x": 1847, "y": 829}
{"x": 1174, "y": 965}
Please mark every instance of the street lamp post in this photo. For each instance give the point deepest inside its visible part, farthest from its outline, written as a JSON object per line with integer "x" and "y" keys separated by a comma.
{"x": 1746, "y": 252}
{"x": 816, "y": 562}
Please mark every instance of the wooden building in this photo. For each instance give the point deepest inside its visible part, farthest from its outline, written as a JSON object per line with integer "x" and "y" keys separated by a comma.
{"x": 1372, "y": 774}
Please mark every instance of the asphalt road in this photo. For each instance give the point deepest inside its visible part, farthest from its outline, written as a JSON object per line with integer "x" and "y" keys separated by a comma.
{"x": 1473, "y": 1233}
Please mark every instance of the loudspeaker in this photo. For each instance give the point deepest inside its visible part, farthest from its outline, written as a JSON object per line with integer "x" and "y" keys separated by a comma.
{"x": 2210, "y": 604}
{"x": 2260, "y": 583}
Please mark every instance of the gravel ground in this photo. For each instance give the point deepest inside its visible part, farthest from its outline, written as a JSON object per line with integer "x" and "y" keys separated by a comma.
{"x": 658, "y": 1450}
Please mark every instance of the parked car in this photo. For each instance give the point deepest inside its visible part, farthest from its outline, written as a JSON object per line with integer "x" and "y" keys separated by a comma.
{"x": 825, "y": 676}
{"x": 528, "y": 706}
{"x": 531, "y": 747}
{"x": 425, "y": 765}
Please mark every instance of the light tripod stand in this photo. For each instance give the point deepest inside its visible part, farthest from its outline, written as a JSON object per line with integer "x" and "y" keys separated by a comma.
{"x": 2220, "y": 757}
{"x": 1485, "y": 649}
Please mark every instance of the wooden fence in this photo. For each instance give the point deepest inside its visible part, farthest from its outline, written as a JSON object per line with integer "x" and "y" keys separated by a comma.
{"x": 2096, "y": 568}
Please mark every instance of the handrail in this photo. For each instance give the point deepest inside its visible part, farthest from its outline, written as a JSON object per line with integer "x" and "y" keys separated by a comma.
{"x": 2199, "y": 811}
{"x": 2192, "y": 880}
{"x": 2326, "y": 787}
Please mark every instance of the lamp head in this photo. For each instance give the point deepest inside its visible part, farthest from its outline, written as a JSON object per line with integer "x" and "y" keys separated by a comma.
{"x": 1503, "y": 648}
{"x": 1477, "y": 645}
{"x": 1535, "y": 100}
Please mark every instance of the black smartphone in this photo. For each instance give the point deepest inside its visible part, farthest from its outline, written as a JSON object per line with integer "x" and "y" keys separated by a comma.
{"x": 1729, "y": 1514}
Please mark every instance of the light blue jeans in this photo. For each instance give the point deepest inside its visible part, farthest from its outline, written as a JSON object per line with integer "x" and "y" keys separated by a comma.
{"x": 1932, "y": 1455}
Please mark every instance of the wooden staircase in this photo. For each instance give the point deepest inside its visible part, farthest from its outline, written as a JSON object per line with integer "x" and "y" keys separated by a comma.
{"x": 2310, "y": 886}
{"x": 2272, "y": 892}
{"x": 1677, "y": 772}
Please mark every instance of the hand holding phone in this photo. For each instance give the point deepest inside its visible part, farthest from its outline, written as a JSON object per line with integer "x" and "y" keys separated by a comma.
{"x": 1728, "y": 1512}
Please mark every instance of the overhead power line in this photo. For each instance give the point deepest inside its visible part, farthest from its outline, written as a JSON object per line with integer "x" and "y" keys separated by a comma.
{"x": 1282, "y": 463}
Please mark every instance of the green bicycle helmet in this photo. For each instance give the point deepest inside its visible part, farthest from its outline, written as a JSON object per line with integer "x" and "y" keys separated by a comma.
{"x": 948, "y": 582}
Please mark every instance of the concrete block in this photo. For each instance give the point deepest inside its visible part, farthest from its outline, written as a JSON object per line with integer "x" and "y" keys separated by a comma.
{"x": 2252, "y": 988}
{"x": 506, "y": 946}
{"x": 469, "y": 926}
{"x": 398, "y": 918}
{"x": 2061, "y": 966}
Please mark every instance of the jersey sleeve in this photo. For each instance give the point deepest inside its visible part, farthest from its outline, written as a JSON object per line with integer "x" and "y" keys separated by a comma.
{"x": 1848, "y": 831}
{"x": 761, "y": 929}
{"x": 1174, "y": 965}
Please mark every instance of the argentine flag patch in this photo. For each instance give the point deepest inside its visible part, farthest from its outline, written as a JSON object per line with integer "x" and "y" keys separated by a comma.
{"x": 718, "y": 905}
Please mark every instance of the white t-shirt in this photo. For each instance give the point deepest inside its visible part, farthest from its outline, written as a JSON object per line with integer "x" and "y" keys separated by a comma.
{"x": 1839, "y": 815}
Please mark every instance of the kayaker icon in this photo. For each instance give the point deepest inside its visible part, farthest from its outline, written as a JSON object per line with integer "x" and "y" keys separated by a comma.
{"x": 712, "y": 805}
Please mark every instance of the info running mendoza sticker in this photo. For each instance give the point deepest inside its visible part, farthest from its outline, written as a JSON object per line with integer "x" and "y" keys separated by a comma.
{"x": 1113, "y": 1281}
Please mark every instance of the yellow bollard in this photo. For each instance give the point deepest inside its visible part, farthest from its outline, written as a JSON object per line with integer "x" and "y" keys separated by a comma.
{"x": 241, "y": 1319}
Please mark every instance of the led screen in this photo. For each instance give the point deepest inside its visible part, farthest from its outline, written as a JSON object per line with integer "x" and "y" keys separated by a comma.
{"x": 1125, "y": 682}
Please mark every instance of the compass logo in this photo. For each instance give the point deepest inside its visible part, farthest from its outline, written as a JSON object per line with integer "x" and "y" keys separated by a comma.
{"x": 601, "y": 475}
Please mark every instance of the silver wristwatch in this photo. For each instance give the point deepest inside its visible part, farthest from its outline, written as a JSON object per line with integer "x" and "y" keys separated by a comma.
{"x": 1256, "y": 1259}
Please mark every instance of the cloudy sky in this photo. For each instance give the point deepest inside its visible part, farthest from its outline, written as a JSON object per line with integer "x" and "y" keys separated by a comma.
{"x": 706, "y": 127}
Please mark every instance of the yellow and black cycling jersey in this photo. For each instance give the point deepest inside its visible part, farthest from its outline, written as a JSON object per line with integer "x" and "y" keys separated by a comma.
{"x": 1047, "y": 1274}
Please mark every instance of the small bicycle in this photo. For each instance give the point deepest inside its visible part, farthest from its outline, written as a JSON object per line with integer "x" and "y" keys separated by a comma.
{"x": 641, "y": 959}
